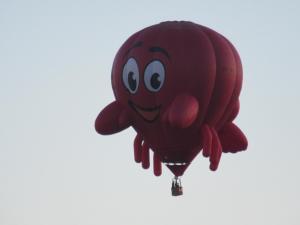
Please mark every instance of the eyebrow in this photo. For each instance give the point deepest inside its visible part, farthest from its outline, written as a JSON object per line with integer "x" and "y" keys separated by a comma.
{"x": 136, "y": 45}
{"x": 159, "y": 49}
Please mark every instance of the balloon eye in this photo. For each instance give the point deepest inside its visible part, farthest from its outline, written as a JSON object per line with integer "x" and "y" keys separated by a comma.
{"x": 132, "y": 80}
{"x": 154, "y": 76}
{"x": 130, "y": 75}
{"x": 155, "y": 81}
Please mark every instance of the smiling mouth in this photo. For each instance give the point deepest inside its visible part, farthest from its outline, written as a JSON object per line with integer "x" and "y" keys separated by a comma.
{"x": 148, "y": 114}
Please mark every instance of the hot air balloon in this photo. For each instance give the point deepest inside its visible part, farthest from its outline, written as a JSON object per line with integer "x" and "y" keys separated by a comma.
{"x": 177, "y": 84}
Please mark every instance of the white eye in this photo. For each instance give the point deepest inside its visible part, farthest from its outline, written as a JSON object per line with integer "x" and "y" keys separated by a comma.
{"x": 130, "y": 75}
{"x": 154, "y": 76}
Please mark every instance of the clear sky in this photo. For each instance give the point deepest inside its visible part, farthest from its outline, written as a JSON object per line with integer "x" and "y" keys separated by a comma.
{"x": 55, "y": 62}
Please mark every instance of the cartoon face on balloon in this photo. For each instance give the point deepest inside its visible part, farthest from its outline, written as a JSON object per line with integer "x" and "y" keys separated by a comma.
{"x": 177, "y": 84}
{"x": 152, "y": 80}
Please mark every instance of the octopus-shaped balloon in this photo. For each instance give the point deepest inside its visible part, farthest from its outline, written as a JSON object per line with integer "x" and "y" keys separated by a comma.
{"x": 177, "y": 84}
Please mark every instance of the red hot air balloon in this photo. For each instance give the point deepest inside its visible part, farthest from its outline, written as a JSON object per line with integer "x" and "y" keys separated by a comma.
{"x": 177, "y": 84}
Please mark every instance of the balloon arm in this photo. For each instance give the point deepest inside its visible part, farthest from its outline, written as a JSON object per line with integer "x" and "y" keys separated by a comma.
{"x": 112, "y": 119}
{"x": 183, "y": 111}
{"x": 232, "y": 138}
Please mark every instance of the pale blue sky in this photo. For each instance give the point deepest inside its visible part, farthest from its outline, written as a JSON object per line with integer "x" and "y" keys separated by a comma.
{"x": 55, "y": 62}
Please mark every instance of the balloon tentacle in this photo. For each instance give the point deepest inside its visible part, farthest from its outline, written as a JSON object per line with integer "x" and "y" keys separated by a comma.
{"x": 138, "y": 148}
{"x": 207, "y": 140}
{"x": 156, "y": 165}
{"x": 216, "y": 150}
{"x": 145, "y": 156}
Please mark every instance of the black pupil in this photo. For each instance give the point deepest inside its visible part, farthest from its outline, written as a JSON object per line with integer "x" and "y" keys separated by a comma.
{"x": 155, "y": 82}
{"x": 131, "y": 81}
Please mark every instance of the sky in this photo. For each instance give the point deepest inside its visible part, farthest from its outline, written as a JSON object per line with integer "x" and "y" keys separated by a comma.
{"x": 55, "y": 66}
